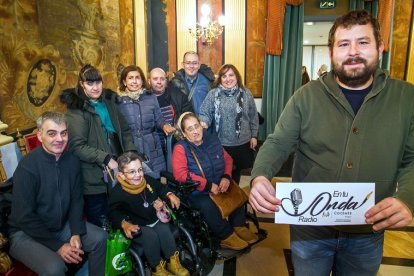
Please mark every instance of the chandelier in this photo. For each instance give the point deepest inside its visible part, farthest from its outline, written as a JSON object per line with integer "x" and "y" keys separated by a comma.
{"x": 207, "y": 30}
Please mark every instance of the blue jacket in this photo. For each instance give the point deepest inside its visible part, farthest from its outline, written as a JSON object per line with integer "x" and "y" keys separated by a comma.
{"x": 144, "y": 118}
{"x": 210, "y": 156}
{"x": 205, "y": 78}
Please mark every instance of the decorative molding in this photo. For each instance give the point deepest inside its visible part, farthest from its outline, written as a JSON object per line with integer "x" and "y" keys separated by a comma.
{"x": 140, "y": 28}
{"x": 256, "y": 45}
{"x": 235, "y": 34}
{"x": 186, "y": 11}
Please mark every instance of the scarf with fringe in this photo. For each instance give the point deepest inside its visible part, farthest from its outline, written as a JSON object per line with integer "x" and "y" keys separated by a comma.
{"x": 133, "y": 95}
{"x": 239, "y": 108}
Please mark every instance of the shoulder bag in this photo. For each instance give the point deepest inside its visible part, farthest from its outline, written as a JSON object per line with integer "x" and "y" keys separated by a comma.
{"x": 228, "y": 201}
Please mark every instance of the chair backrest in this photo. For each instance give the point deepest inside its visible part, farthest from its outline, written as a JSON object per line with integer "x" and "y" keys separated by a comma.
{"x": 28, "y": 142}
{"x": 31, "y": 141}
{"x": 170, "y": 142}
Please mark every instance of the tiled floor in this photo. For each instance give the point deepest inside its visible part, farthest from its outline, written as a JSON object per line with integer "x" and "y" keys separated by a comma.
{"x": 268, "y": 258}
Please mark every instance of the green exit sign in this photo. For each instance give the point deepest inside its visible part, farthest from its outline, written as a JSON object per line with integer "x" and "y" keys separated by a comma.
{"x": 327, "y": 4}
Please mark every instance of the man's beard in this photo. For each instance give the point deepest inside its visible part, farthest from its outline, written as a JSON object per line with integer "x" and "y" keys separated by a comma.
{"x": 355, "y": 77}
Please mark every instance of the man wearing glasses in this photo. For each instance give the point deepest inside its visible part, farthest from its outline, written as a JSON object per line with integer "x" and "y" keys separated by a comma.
{"x": 194, "y": 79}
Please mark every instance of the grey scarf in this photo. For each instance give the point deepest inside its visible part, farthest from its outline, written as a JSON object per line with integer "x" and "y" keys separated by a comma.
{"x": 239, "y": 108}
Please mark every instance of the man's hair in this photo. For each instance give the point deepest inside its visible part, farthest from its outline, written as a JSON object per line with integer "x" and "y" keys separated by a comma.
{"x": 57, "y": 117}
{"x": 223, "y": 70}
{"x": 357, "y": 17}
{"x": 127, "y": 158}
{"x": 188, "y": 53}
{"x": 125, "y": 72}
{"x": 157, "y": 69}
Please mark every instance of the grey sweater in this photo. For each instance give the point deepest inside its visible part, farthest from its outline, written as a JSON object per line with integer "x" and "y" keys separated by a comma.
{"x": 227, "y": 127}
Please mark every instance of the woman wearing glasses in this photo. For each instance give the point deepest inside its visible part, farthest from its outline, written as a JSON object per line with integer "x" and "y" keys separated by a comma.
{"x": 133, "y": 207}
{"x": 200, "y": 157}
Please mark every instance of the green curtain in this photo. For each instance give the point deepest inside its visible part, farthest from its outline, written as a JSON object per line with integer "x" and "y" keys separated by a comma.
{"x": 372, "y": 7}
{"x": 282, "y": 74}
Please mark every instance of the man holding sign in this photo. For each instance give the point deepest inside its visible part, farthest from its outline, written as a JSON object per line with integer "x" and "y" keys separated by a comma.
{"x": 354, "y": 124}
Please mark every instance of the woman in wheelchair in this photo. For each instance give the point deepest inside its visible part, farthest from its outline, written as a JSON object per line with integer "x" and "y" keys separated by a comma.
{"x": 136, "y": 207}
{"x": 201, "y": 157}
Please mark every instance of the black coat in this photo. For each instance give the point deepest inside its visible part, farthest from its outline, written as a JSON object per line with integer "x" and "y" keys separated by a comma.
{"x": 87, "y": 139}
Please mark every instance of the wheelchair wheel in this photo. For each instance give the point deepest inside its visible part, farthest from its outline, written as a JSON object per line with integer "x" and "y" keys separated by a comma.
{"x": 188, "y": 257}
{"x": 198, "y": 255}
{"x": 207, "y": 260}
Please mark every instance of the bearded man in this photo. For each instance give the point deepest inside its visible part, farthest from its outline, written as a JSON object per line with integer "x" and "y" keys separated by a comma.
{"x": 354, "y": 124}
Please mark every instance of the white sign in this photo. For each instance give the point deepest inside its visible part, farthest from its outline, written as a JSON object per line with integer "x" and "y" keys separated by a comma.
{"x": 324, "y": 203}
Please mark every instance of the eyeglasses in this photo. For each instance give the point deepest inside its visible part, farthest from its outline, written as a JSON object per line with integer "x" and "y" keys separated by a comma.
{"x": 192, "y": 128}
{"x": 134, "y": 172}
{"x": 189, "y": 63}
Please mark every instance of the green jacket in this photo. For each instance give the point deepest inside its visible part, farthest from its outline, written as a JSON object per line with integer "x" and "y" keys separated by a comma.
{"x": 332, "y": 144}
{"x": 87, "y": 139}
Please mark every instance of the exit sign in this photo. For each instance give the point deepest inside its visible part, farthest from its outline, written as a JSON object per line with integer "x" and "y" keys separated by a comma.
{"x": 327, "y": 4}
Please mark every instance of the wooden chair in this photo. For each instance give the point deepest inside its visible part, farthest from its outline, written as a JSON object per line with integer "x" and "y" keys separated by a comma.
{"x": 27, "y": 142}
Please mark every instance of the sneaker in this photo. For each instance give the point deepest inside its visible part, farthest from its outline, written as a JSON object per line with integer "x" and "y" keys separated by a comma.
{"x": 175, "y": 266}
{"x": 161, "y": 271}
{"x": 245, "y": 234}
{"x": 234, "y": 242}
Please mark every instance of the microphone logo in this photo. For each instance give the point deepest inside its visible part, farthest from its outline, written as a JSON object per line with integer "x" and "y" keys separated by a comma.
{"x": 296, "y": 197}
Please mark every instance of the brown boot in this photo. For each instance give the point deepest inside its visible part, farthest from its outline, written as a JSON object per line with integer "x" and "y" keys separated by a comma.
{"x": 161, "y": 271}
{"x": 245, "y": 234}
{"x": 234, "y": 242}
{"x": 175, "y": 266}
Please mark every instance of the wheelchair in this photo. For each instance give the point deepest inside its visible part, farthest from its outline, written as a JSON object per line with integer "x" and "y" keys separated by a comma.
{"x": 183, "y": 239}
{"x": 200, "y": 256}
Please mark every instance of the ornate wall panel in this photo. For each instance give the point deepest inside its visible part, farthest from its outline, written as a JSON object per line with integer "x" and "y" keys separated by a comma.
{"x": 255, "y": 48}
{"x": 400, "y": 38}
{"x": 44, "y": 43}
{"x": 126, "y": 26}
{"x": 410, "y": 67}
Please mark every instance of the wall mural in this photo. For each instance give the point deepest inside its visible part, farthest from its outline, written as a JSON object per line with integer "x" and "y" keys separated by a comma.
{"x": 255, "y": 45}
{"x": 41, "y": 81}
{"x": 30, "y": 76}
{"x": 43, "y": 44}
{"x": 400, "y": 38}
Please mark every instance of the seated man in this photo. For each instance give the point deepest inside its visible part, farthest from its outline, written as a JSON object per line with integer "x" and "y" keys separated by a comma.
{"x": 46, "y": 226}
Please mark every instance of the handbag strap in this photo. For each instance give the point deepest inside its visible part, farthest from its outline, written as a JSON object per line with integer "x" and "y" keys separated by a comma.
{"x": 198, "y": 162}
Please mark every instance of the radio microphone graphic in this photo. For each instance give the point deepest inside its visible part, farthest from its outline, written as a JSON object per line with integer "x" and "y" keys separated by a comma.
{"x": 296, "y": 197}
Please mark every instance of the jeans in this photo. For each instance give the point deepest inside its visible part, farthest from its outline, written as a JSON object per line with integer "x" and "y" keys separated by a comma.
{"x": 318, "y": 250}
{"x": 95, "y": 207}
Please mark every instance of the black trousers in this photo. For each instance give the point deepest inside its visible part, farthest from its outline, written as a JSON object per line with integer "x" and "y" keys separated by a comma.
{"x": 156, "y": 240}
{"x": 243, "y": 158}
{"x": 221, "y": 228}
